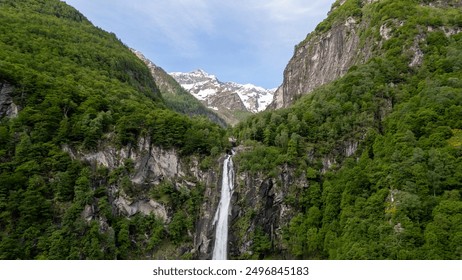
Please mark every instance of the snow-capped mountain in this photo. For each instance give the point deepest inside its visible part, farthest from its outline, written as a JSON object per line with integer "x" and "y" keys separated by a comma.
{"x": 175, "y": 96}
{"x": 216, "y": 94}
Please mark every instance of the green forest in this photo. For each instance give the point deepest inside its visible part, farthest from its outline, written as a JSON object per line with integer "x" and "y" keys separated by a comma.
{"x": 79, "y": 86}
{"x": 399, "y": 195}
{"x": 396, "y": 193}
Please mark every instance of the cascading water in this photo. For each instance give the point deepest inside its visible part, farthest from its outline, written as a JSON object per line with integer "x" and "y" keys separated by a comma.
{"x": 221, "y": 216}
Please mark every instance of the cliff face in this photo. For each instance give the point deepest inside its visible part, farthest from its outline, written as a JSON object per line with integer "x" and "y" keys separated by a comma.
{"x": 322, "y": 58}
{"x": 151, "y": 167}
{"x": 327, "y": 53}
{"x": 318, "y": 61}
{"x": 261, "y": 211}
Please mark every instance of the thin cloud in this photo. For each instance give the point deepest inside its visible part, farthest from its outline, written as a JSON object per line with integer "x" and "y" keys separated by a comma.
{"x": 293, "y": 10}
{"x": 180, "y": 22}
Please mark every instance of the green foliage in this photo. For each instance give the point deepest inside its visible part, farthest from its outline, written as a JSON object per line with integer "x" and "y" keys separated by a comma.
{"x": 397, "y": 196}
{"x": 78, "y": 89}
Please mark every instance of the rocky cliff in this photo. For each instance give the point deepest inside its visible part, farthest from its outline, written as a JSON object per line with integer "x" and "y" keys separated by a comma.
{"x": 151, "y": 167}
{"x": 338, "y": 43}
{"x": 325, "y": 55}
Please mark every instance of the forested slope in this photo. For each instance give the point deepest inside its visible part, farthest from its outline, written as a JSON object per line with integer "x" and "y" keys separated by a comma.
{"x": 73, "y": 90}
{"x": 378, "y": 151}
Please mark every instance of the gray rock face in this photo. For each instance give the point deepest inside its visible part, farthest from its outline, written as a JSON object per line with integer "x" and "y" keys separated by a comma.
{"x": 7, "y": 106}
{"x": 260, "y": 205}
{"x": 326, "y": 56}
{"x": 152, "y": 165}
{"x": 319, "y": 60}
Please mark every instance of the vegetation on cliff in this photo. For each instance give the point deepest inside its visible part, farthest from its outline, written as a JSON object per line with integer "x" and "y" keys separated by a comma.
{"x": 79, "y": 86}
{"x": 379, "y": 148}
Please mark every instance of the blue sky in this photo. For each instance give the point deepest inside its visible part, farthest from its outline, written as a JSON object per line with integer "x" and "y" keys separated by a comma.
{"x": 244, "y": 41}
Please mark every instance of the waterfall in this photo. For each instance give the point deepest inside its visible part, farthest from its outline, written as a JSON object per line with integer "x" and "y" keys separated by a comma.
{"x": 221, "y": 215}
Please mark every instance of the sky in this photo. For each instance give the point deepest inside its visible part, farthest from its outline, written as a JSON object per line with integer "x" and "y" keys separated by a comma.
{"x": 243, "y": 41}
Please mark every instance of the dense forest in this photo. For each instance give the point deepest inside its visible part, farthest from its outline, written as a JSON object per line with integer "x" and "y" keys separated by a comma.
{"x": 79, "y": 86}
{"x": 379, "y": 151}
{"x": 380, "y": 148}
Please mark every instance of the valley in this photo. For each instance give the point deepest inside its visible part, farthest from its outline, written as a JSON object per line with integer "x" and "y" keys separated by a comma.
{"x": 357, "y": 155}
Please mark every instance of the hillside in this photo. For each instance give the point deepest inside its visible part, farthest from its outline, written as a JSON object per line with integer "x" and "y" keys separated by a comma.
{"x": 175, "y": 96}
{"x": 92, "y": 163}
{"x": 367, "y": 166}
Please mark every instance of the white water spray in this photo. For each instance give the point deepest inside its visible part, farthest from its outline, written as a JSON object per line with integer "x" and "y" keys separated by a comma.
{"x": 220, "y": 250}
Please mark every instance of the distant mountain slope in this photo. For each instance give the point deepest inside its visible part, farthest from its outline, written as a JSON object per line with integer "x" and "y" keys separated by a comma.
{"x": 229, "y": 99}
{"x": 176, "y": 97}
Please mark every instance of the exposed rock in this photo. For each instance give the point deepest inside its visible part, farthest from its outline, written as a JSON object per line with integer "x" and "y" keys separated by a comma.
{"x": 214, "y": 93}
{"x": 445, "y": 3}
{"x": 152, "y": 165}
{"x": 385, "y": 32}
{"x": 418, "y": 55}
{"x": 320, "y": 59}
{"x": 327, "y": 163}
{"x": 227, "y": 99}
{"x": 398, "y": 228}
{"x": 205, "y": 229}
{"x": 146, "y": 207}
{"x": 170, "y": 87}
{"x": 259, "y": 203}
{"x": 7, "y": 106}
{"x": 88, "y": 212}
{"x": 369, "y": 1}
{"x": 448, "y": 31}
{"x": 351, "y": 148}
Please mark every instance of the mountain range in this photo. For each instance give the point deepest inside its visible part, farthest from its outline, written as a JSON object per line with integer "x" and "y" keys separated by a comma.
{"x": 228, "y": 99}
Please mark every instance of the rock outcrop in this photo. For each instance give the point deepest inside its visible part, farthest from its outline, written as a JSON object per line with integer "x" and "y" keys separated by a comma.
{"x": 7, "y": 106}
{"x": 261, "y": 207}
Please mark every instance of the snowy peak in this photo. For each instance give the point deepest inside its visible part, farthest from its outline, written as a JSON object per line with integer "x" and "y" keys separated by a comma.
{"x": 216, "y": 94}
{"x": 196, "y": 82}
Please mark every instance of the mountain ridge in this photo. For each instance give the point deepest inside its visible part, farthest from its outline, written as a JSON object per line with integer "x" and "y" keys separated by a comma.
{"x": 224, "y": 97}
